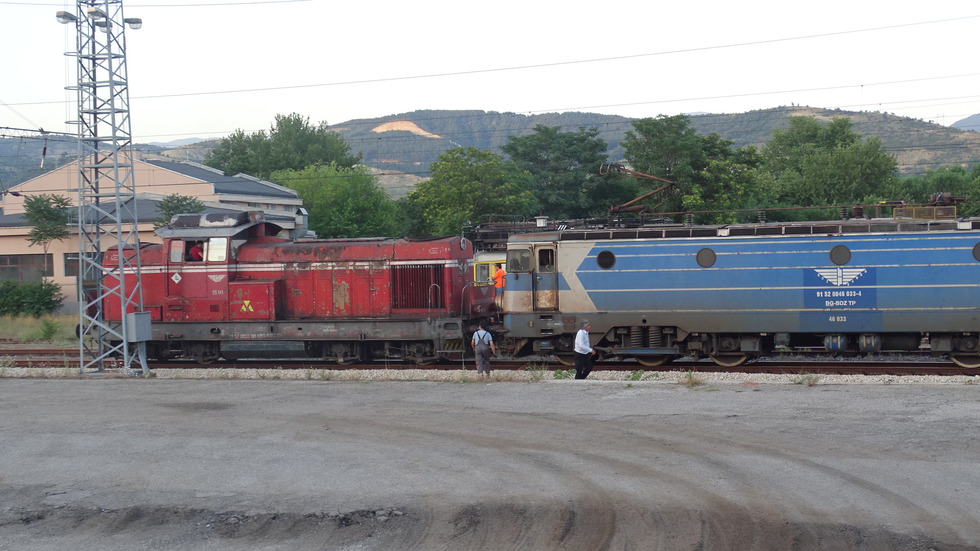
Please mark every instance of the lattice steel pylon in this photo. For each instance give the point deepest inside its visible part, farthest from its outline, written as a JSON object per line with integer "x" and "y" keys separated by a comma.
{"x": 107, "y": 218}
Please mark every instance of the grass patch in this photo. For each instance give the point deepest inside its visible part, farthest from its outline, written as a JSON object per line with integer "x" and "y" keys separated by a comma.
{"x": 641, "y": 375}
{"x": 808, "y": 379}
{"x": 57, "y": 329}
{"x": 692, "y": 379}
{"x": 537, "y": 370}
{"x": 564, "y": 374}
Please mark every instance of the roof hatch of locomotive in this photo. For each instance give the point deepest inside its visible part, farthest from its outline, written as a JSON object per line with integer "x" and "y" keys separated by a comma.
{"x": 215, "y": 225}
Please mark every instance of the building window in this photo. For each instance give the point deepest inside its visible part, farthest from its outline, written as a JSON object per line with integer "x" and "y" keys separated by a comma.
{"x": 25, "y": 268}
{"x": 71, "y": 264}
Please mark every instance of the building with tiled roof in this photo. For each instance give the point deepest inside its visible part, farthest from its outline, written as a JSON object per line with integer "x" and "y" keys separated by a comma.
{"x": 153, "y": 181}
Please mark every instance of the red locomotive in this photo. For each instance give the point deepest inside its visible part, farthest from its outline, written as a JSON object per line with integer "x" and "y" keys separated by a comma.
{"x": 256, "y": 295}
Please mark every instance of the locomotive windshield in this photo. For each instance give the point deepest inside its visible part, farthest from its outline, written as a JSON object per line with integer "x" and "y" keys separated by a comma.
{"x": 519, "y": 260}
{"x": 481, "y": 273}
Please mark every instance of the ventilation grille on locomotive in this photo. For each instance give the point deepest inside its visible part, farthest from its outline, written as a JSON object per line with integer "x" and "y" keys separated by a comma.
{"x": 418, "y": 286}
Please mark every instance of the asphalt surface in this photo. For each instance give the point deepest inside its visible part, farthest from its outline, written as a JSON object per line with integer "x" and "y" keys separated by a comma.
{"x": 572, "y": 465}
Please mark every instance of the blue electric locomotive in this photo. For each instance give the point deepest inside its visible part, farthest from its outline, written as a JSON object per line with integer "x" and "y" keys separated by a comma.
{"x": 735, "y": 292}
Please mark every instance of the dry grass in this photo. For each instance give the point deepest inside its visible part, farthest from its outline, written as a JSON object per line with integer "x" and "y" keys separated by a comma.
{"x": 693, "y": 380}
{"x": 57, "y": 329}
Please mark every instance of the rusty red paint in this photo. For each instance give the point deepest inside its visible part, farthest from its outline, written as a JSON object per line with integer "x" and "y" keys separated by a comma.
{"x": 275, "y": 279}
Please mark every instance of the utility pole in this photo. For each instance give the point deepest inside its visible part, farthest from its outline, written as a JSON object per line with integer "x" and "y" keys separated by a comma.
{"x": 107, "y": 218}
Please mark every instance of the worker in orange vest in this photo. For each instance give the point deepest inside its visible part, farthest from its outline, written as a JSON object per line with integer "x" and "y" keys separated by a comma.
{"x": 498, "y": 283}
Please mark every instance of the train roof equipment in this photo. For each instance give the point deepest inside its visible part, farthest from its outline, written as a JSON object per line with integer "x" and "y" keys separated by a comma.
{"x": 631, "y": 206}
{"x": 215, "y": 225}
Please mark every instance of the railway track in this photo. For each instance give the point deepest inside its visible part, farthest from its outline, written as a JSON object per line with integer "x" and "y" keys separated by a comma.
{"x": 54, "y": 358}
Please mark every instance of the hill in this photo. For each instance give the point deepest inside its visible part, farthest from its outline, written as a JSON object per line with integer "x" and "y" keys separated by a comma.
{"x": 410, "y": 142}
{"x": 918, "y": 145}
{"x": 970, "y": 123}
{"x": 402, "y": 147}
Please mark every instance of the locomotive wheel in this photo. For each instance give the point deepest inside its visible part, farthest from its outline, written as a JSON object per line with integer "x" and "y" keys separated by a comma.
{"x": 969, "y": 361}
{"x": 567, "y": 360}
{"x": 654, "y": 361}
{"x": 203, "y": 353}
{"x": 729, "y": 360}
{"x": 507, "y": 345}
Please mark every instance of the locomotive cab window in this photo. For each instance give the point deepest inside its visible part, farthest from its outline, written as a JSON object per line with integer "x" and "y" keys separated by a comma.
{"x": 176, "y": 251}
{"x": 193, "y": 250}
{"x": 216, "y": 249}
{"x": 236, "y": 242}
{"x": 519, "y": 260}
{"x": 199, "y": 250}
{"x": 546, "y": 260}
{"x": 483, "y": 273}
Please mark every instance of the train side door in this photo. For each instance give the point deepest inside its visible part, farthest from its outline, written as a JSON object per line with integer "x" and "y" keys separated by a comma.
{"x": 197, "y": 289}
{"x": 217, "y": 258}
{"x": 304, "y": 299}
{"x": 174, "y": 301}
{"x": 545, "y": 279}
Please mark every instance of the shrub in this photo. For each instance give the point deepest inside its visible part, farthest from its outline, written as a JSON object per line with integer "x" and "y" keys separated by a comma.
{"x": 10, "y": 303}
{"x": 46, "y": 331}
{"x": 42, "y": 298}
{"x": 32, "y": 299}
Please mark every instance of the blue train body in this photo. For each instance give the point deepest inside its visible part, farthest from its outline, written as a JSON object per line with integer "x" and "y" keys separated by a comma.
{"x": 735, "y": 292}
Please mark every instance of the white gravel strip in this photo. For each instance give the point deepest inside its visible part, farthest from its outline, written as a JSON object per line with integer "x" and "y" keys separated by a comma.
{"x": 693, "y": 379}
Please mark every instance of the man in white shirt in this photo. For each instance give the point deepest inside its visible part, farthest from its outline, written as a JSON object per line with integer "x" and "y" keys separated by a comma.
{"x": 583, "y": 352}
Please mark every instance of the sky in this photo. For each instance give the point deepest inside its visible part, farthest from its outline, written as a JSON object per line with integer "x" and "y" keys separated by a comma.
{"x": 207, "y": 68}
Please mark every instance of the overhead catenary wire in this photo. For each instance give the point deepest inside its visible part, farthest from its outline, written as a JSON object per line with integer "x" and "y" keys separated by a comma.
{"x": 594, "y": 60}
{"x": 583, "y": 61}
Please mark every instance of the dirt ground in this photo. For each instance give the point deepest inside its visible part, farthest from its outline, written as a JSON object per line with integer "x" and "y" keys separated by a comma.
{"x": 572, "y": 465}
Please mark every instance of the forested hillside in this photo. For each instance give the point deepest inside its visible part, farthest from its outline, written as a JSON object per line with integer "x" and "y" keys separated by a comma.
{"x": 404, "y": 146}
{"x": 410, "y": 142}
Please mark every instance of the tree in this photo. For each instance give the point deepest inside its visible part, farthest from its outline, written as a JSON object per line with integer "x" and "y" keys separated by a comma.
{"x": 726, "y": 183}
{"x": 49, "y": 216}
{"x": 174, "y": 204}
{"x": 816, "y": 164}
{"x": 709, "y": 174}
{"x": 342, "y": 201}
{"x": 955, "y": 180}
{"x": 666, "y": 147}
{"x": 468, "y": 183}
{"x": 565, "y": 171}
{"x": 972, "y": 194}
{"x": 291, "y": 144}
